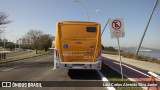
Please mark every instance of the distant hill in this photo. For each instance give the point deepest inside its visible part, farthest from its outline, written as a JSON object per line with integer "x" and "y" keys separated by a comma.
{"x": 133, "y": 49}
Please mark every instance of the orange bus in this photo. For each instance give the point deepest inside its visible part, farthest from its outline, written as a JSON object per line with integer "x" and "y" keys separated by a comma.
{"x": 77, "y": 45}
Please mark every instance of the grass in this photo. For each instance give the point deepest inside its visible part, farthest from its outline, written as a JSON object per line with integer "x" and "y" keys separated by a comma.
{"x": 25, "y": 56}
{"x": 114, "y": 76}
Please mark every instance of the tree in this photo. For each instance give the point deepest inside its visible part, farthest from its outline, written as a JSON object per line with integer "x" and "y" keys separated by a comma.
{"x": 3, "y": 20}
{"x": 10, "y": 45}
{"x": 26, "y": 46}
{"x": 33, "y": 37}
{"x": 45, "y": 41}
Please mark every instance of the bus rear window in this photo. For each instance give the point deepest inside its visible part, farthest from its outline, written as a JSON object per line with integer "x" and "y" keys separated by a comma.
{"x": 91, "y": 29}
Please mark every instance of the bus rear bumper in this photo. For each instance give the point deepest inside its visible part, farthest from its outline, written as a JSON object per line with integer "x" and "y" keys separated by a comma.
{"x": 78, "y": 65}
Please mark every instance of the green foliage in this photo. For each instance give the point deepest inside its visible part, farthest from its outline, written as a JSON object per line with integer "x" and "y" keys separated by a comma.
{"x": 35, "y": 39}
{"x": 45, "y": 42}
{"x": 128, "y": 55}
{"x": 10, "y": 45}
{"x": 102, "y": 47}
{"x": 110, "y": 48}
{"x": 27, "y": 46}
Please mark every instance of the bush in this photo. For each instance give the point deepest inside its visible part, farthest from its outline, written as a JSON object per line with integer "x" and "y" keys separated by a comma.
{"x": 110, "y": 48}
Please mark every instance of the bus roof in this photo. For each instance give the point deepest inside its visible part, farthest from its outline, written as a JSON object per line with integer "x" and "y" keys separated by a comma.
{"x": 77, "y": 22}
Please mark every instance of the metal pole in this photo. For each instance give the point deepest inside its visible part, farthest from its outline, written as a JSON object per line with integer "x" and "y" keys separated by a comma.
{"x": 146, "y": 29}
{"x": 19, "y": 43}
{"x": 15, "y": 43}
{"x": 4, "y": 46}
{"x": 120, "y": 59}
{"x": 105, "y": 26}
{"x": 84, "y": 9}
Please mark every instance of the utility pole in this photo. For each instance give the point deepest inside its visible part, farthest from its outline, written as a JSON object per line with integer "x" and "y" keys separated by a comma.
{"x": 146, "y": 28}
{"x": 105, "y": 26}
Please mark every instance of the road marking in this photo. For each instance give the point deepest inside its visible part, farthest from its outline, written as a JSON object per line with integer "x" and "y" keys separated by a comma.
{"x": 39, "y": 60}
{"x": 9, "y": 69}
{"x": 133, "y": 69}
{"x": 104, "y": 79}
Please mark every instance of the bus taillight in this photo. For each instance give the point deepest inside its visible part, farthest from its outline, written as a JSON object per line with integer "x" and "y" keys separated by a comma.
{"x": 57, "y": 53}
{"x": 99, "y": 53}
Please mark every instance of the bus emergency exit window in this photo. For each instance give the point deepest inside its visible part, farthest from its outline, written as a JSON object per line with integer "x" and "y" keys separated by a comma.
{"x": 91, "y": 29}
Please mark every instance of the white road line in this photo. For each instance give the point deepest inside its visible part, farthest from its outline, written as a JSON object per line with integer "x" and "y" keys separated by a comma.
{"x": 9, "y": 69}
{"x": 133, "y": 69}
{"x": 104, "y": 79}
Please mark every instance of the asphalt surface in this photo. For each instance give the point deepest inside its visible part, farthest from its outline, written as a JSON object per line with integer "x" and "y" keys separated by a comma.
{"x": 40, "y": 69}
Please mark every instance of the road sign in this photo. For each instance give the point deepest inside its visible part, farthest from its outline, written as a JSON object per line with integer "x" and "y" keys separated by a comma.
{"x": 116, "y": 28}
{"x": 117, "y": 31}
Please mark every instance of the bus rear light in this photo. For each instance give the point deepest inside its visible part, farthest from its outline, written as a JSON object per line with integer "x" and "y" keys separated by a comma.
{"x": 57, "y": 53}
{"x": 99, "y": 53}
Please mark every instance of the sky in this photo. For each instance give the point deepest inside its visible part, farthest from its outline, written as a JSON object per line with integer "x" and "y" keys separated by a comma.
{"x": 44, "y": 14}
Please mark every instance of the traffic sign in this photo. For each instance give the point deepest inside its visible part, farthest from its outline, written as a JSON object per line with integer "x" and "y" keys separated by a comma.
{"x": 116, "y": 28}
{"x": 117, "y": 31}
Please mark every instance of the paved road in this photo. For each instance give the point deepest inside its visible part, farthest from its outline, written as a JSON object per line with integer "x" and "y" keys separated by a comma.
{"x": 40, "y": 69}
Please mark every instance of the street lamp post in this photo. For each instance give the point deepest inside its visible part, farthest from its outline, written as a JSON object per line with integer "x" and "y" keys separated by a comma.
{"x": 4, "y": 45}
{"x": 4, "y": 41}
{"x": 87, "y": 14}
{"x": 19, "y": 42}
{"x": 15, "y": 43}
{"x": 86, "y": 11}
{"x": 96, "y": 11}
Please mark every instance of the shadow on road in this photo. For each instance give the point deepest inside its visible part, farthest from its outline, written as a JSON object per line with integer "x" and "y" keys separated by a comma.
{"x": 83, "y": 74}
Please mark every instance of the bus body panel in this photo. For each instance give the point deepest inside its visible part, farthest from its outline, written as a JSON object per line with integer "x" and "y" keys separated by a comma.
{"x": 78, "y": 45}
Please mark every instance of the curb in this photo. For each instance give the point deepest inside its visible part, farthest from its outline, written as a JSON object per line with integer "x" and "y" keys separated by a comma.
{"x": 104, "y": 79}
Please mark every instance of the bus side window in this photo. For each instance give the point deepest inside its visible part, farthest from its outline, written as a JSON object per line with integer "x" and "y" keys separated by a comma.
{"x": 91, "y": 29}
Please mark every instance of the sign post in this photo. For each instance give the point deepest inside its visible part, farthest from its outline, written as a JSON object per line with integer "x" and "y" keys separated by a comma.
{"x": 120, "y": 58}
{"x": 117, "y": 31}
